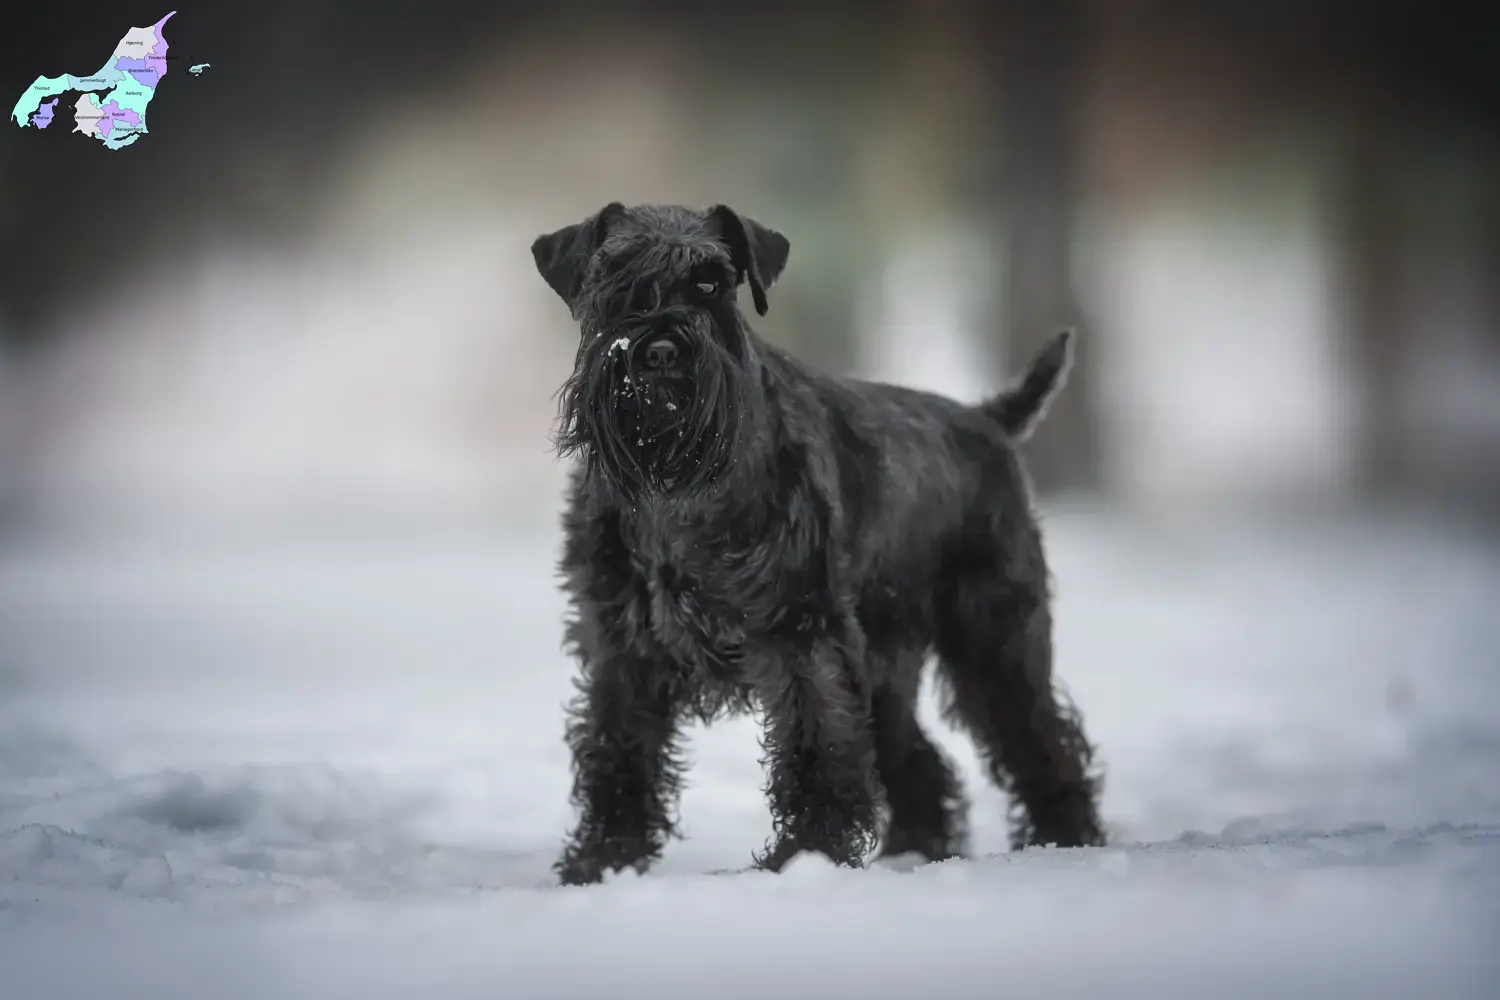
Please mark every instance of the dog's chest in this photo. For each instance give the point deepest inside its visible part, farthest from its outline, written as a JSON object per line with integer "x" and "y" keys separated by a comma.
{"x": 705, "y": 592}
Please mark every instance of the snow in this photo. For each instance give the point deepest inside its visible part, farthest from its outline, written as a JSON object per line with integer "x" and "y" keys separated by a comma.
{"x": 327, "y": 769}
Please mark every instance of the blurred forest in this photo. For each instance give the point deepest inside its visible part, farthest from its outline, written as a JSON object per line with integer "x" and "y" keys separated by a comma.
{"x": 1277, "y": 225}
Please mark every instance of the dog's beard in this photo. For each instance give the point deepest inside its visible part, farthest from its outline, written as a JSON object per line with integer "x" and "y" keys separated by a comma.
{"x": 649, "y": 435}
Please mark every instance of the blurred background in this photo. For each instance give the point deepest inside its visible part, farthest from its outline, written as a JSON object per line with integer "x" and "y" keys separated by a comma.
{"x": 277, "y": 381}
{"x": 1278, "y": 228}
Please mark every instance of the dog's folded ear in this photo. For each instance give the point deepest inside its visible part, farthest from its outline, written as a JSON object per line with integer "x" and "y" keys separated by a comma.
{"x": 758, "y": 252}
{"x": 563, "y": 257}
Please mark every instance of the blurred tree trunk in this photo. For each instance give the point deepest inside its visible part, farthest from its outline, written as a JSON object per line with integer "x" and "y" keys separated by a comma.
{"x": 1370, "y": 241}
{"x": 1037, "y": 86}
{"x": 1490, "y": 264}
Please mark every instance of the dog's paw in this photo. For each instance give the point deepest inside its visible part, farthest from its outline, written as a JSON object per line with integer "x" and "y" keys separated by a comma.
{"x": 576, "y": 873}
{"x": 810, "y": 866}
{"x": 592, "y": 863}
{"x": 906, "y": 861}
{"x": 788, "y": 853}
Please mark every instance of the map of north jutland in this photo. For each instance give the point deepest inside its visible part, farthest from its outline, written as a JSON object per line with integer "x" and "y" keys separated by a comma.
{"x": 111, "y": 104}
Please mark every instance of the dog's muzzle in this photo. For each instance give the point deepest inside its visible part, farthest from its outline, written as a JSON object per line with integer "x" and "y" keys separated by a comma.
{"x": 661, "y": 352}
{"x": 657, "y": 353}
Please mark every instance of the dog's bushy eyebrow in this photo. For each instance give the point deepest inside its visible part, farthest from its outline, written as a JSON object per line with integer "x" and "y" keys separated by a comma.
{"x": 627, "y": 264}
{"x": 642, "y": 255}
{"x": 712, "y": 266}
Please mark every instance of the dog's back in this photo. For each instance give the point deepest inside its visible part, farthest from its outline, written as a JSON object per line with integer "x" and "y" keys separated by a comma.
{"x": 923, "y": 479}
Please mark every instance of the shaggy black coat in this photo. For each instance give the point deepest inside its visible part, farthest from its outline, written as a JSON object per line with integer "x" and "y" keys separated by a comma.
{"x": 743, "y": 533}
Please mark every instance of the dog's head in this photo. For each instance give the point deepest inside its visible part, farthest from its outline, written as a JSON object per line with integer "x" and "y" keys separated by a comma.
{"x": 665, "y": 363}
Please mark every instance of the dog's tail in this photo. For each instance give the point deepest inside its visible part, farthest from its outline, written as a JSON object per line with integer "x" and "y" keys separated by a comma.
{"x": 1021, "y": 407}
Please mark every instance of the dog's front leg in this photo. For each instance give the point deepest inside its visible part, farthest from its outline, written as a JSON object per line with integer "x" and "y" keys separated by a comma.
{"x": 820, "y": 753}
{"x": 627, "y": 771}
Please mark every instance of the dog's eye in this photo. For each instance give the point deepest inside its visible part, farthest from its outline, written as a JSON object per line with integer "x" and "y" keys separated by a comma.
{"x": 707, "y": 289}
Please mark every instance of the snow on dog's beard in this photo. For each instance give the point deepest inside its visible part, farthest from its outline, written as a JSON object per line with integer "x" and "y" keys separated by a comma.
{"x": 646, "y": 434}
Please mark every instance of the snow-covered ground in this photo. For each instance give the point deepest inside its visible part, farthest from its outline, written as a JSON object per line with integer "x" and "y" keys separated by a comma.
{"x": 327, "y": 770}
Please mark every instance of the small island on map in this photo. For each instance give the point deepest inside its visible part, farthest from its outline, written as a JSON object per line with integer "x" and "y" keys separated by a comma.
{"x": 128, "y": 80}
{"x": 197, "y": 68}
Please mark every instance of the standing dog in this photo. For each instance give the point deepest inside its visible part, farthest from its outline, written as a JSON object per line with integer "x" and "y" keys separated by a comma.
{"x": 743, "y": 532}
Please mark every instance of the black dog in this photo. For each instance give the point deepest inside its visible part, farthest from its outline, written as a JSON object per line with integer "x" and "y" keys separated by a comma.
{"x": 743, "y": 532}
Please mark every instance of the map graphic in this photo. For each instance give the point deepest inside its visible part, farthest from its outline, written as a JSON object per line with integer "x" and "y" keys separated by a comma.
{"x": 111, "y": 104}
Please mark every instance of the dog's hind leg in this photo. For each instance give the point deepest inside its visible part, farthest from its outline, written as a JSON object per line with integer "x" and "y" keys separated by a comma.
{"x": 925, "y": 798}
{"x": 995, "y": 644}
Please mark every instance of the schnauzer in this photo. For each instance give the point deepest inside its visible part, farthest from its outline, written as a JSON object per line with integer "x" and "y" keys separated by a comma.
{"x": 743, "y": 533}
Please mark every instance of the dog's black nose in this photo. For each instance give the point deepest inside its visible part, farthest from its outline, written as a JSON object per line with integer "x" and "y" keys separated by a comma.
{"x": 661, "y": 354}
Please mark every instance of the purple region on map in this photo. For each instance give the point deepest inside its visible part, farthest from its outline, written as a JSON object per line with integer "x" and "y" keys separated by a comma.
{"x": 114, "y": 113}
{"x": 144, "y": 70}
{"x": 159, "y": 50}
{"x": 43, "y": 116}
